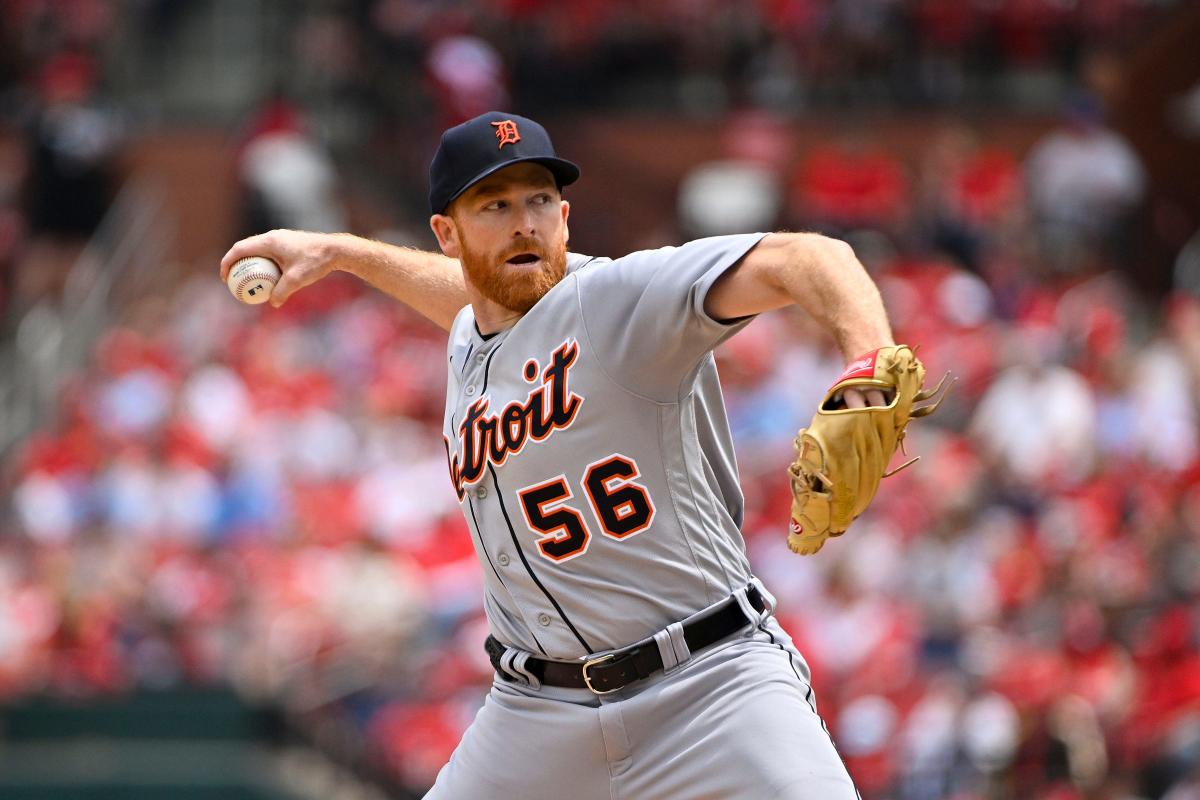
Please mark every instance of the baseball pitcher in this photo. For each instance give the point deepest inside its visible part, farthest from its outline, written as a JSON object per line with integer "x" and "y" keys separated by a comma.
{"x": 636, "y": 654}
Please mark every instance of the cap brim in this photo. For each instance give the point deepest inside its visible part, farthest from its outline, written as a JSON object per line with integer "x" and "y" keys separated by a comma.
{"x": 565, "y": 173}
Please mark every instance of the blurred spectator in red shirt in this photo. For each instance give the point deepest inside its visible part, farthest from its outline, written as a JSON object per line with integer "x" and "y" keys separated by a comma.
{"x": 971, "y": 195}
{"x": 850, "y": 185}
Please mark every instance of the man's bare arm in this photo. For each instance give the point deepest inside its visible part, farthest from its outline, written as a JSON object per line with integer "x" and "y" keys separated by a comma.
{"x": 820, "y": 274}
{"x": 429, "y": 283}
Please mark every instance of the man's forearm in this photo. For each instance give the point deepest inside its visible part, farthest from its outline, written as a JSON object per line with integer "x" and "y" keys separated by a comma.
{"x": 429, "y": 283}
{"x": 828, "y": 281}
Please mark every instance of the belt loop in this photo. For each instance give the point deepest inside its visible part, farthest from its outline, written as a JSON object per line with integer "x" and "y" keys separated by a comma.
{"x": 752, "y": 614}
{"x": 672, "y": 646}
{"x": 767, "y": 597}
{"x": 513, "y": 662}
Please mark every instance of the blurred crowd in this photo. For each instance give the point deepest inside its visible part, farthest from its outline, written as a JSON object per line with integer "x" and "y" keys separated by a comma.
{"x": 380, "y": 73}
{"x": 370, "y": 71}
{"x": 709, "y": 55}
{"x": 59, "y": 140}
{"x": 259, "y": 498}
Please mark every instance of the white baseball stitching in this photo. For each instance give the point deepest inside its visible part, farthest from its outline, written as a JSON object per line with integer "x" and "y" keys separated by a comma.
{"x": 253, "y": 276}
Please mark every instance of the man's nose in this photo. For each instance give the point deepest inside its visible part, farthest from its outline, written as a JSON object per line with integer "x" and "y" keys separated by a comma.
{"x": 524, "y": 225}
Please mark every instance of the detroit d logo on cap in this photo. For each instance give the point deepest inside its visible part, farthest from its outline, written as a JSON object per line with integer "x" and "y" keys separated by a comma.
{"x": 506, "y": 132}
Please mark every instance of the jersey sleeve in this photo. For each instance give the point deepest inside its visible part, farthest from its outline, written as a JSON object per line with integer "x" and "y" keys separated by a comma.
{"x": 644, "y": 315}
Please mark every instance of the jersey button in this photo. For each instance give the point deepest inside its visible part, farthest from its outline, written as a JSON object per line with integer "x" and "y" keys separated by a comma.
{"x": 470, "y": 390}
{"x": 479, "y": 359}
{"x": 543, "y": 620}
{"x": 481, "y": 492}
{"x": 502, "y": 559}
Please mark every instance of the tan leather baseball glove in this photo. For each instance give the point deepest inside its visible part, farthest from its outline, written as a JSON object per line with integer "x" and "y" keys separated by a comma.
{"x": 844, "y": 453}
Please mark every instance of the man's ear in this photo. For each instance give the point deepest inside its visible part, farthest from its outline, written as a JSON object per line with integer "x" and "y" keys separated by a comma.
{"x": 446, "y": 231}
{"x": 566, "y": 212}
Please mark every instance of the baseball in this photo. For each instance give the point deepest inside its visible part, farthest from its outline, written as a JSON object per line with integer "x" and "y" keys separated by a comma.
{"x": 251, "y": 279}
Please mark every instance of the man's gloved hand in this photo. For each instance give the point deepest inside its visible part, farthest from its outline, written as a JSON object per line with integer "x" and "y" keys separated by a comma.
{"x": 844, "y": 453}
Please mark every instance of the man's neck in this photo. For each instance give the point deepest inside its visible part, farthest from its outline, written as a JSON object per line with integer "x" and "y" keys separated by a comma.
{"x": 490, "y": 316}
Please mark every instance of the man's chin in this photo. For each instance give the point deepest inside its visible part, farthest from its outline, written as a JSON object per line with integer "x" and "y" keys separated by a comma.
{"x": 517, "y": 285}
{"x": 524, "y": 301}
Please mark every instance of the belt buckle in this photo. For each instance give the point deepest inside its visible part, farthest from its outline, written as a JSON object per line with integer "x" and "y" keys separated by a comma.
{"x": 587, "y": 681}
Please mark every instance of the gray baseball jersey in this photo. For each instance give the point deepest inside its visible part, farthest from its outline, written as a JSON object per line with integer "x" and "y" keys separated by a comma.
{"x": 589, "y": 446}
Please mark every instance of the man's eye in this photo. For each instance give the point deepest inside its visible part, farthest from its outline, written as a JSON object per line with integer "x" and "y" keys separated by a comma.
{"x": 495, "y": 205}
{"x": 541, "y": 199}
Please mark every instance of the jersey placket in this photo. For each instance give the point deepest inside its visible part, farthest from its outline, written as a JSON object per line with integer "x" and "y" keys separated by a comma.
{"x": 544, "y": 609}
{"x": 486, "y": 508}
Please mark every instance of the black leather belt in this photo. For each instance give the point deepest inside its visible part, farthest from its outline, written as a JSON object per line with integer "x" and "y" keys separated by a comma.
{"x": 613, "y": 671}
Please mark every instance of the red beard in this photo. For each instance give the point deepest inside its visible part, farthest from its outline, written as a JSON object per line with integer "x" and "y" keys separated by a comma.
{"x": 500, "y": 281}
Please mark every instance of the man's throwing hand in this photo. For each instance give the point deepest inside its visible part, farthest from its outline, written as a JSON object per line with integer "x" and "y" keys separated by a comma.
{"x": 303, "y": 258}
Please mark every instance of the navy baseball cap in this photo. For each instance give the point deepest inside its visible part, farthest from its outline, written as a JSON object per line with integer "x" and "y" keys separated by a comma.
{"x": 478, "y": 147}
